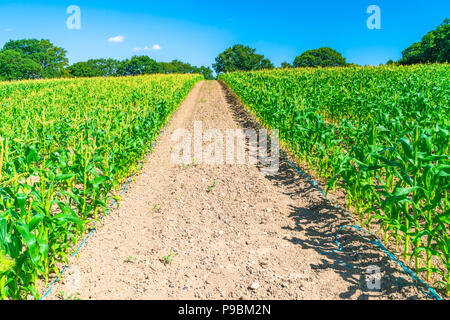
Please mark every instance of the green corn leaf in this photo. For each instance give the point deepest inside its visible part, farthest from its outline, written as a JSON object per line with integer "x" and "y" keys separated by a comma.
{"x": 63, "y": 177}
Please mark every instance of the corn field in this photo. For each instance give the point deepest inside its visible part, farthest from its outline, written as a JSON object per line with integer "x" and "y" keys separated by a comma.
{"x": 379, "y": 133}
{"x": 66, "y": 146}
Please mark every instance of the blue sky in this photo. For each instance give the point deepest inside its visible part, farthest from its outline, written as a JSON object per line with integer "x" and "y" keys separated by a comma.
{"x": 196, "y": 31}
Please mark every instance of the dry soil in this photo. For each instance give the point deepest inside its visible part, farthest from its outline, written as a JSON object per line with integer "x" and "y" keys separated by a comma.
{"x": 237, "y": 234}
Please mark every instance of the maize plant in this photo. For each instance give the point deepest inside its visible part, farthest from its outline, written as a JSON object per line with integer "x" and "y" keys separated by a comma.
{"x": 66, "y": 146}
{"x": 379, "y": 133}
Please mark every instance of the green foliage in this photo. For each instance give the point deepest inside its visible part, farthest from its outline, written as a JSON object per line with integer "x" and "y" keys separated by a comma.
{"x": 434, "y": 47}
{"x": 210, "y": 188}
{"x": 66, "y": 296}
{"x": 51, "y": 59}
{"x": 15, "y": 66}
{"x": 138, "y": 65}
{"x": 95, "y": 68}
{"x": 66, "y": 147}
{"x": 176, "y": 67}
{"x": 322, "y": 57}
{"x": 382, "y": 134}
{"x": 206, "y": 72}
{"x": 285, "y": 65}
{"x": 36, "y": 59}
{"x": 135, "y": 66}
{"x": 390, "y": 62}
{"x": 168, "y": 259}
{"x": 240, "y": 58}
{"x": 184, "y": 68}
{"x": 83, "y": 69}
{"x": 6, "y": 264}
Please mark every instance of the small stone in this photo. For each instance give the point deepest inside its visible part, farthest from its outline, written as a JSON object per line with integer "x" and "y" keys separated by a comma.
{"x": 284, "y": 285}
{"x": 220, "y": 233}
{"x": 171, "y": 285}
{"x": 185, "y": 288}
{"x": 254, "y": 286}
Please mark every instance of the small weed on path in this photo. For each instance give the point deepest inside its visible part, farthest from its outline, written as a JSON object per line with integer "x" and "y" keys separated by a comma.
{"x": 66, "y": 296}
{"x": 130, "y": 259}
{"x": 210, "y": 188}
{"x": 168, "y": 259}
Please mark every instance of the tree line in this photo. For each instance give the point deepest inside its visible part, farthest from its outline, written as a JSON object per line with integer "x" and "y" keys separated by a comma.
{"x": 134, "y": 66}
{"x": 434, "y": 47}
{"x": 40, "y": 59}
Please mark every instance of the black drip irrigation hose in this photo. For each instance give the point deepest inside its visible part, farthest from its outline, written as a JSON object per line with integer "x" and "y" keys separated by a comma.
{"x": 431, "y": 292}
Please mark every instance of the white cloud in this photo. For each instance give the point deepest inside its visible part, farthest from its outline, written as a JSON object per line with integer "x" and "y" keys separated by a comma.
{"x": 117, "y": 39}
{"x": 155, "y": 47}
{"x": 141, "y": 49}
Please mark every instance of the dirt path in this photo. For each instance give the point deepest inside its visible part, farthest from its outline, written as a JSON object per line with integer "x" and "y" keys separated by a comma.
{"x": 245, "y": 229}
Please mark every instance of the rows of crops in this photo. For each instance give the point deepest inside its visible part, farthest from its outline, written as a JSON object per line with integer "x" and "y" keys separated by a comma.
{"x": 379, "y": 133}
{"x": 65, "y": 148}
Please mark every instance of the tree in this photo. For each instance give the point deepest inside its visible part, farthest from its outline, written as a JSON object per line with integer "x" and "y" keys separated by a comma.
{"x": 285, "y": 65}
{"x": 322, "y": 57}
{"x": 106, "y": 67}
{"x": 180, "y": 67}
{"x": 206, "y": 72}
{"x": 176, "y": 66}
{"x": 138, "y": 65}
{"x": 240, "y": 57}
{"x": 82, "y": 69}
{"x": 390, "y": 62}
{"x": 52, "y": 59}
{"x": 95, "y": 68}
{"x": 434, "y": 47}
{"x": 15, "y": 66}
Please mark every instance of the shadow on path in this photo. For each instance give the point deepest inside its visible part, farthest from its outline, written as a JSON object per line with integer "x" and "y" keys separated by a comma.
{"x": 317, "y": 223}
